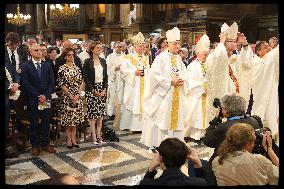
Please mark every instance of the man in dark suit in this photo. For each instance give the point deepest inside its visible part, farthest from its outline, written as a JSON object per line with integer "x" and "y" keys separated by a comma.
{"x": 38, "y": 79}
{"x": 170, "y": 156}
{"x": 60, "y": 60}
{"x": 14, "y": 58}
{"x": 11, "y": 86}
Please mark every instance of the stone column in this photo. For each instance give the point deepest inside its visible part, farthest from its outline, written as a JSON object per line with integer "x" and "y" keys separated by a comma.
{"x": 139, "y": 12}
{"x": 109, "y": 13}
{"x": 124, "y": 11}
{"x": 169, "y": 11}
{"x": 39, "y": 19}
{"x": 82, "y": 17}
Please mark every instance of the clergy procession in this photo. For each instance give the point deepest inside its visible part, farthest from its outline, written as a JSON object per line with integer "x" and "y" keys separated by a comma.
{"x": 166, "y": 99}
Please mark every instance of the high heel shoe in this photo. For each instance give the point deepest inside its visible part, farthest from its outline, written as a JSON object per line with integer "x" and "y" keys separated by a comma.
{"x": 101, "y": 141}
{"x": 75, "y": 145}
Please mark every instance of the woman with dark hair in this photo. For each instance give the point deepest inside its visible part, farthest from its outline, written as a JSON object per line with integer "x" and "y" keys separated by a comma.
{"x": 52, "y": 55}
{"x": 70, "y": 80}
{"x": 162, "y": 45}
{"x": 96, "y": 80}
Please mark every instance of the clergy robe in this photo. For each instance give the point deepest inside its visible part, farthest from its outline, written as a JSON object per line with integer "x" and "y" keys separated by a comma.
{"x": 133, "y": 90}
{"x": 265, "y": 88}
{"x": 165, "y": 114}
{"x": 115, "y": 88}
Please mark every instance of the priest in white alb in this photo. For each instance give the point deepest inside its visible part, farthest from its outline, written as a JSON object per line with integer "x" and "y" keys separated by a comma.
{"x": 265, "y": 80}
{"x": 115, "y": 88}
{"x": 165, "y": 114}
{"x": 134, "y": 72}
{"x": 196, "y": 91}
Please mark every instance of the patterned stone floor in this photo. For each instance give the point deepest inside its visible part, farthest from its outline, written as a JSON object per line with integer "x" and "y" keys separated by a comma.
{"x": 113, "y": 163}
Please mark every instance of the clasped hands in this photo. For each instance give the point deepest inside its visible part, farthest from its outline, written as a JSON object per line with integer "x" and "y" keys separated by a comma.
{"x": 138, "y": 72}
{"x": 103, "y": 93}
{"x": 177, "y": 82}
{"x": 42, "y": 99}
{"x": 13, "y": 88}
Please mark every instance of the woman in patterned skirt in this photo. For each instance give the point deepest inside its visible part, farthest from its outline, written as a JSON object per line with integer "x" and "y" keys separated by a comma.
{"x": 70, "y": 80}
{"x": 95, "y": 76}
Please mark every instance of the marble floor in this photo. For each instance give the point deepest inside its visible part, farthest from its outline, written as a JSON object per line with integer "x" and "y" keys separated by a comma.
{"x": 113, "y": 163}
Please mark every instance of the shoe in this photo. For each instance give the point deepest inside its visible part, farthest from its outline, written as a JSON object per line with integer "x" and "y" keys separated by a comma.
{"x": 35, "y": 151}
{"x": 12, "y": 154}
{"x": 49, "y": 149}
{"x": 95, "y": 143}
{"x": 75, "y": 145}
{"x": 70, "y": 147}
{"x": 101, "y": 141}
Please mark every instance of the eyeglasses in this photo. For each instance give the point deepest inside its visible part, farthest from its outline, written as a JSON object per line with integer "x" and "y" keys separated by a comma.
{"x": 70, "y": 55}
{"x": 36, "y": 50}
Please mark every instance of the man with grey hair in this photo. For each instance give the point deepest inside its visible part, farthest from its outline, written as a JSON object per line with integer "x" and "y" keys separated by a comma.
{"x": 273, "y": 42}
{"x": 232, "y": 107}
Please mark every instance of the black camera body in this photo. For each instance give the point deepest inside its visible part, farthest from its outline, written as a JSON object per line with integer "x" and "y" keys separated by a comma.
{"x": 217, "y": 104}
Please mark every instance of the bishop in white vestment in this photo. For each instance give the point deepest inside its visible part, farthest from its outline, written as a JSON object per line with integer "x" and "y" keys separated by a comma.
{"x": 166, "y": 111}
{"x": 134, "y": 71}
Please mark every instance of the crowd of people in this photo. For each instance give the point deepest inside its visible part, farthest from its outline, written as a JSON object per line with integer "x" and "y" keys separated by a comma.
{"x": 160, "y": 88}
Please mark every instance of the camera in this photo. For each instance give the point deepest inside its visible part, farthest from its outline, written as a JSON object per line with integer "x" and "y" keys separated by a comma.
{"x": 258, "y": 148}
{"x": 217, "y": 104}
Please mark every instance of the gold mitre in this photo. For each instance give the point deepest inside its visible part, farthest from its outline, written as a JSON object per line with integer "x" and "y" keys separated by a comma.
{"x": 203, "y": 44}
{"x": 138, "y": 39}
{"x": 232, "y": 31}
{"x": 173, "y": 35}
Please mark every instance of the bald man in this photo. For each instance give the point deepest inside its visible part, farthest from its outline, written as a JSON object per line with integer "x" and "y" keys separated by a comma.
{"x": 38, "y": 80}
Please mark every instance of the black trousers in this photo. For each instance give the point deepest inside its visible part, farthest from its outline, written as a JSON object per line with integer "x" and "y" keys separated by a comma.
{"x": 39, "y": 132}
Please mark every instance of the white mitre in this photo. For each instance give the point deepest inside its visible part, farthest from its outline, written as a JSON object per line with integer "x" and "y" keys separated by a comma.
{"x": 203, "y": 44}
{"x": 138, "y": 39}
{"x": 232, "y": 31}
{"x": 173, "y": 35}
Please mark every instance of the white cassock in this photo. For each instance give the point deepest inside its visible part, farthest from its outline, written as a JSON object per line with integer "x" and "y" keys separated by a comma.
{"x": 164, "y": 115}
{"x": 217, "y": 76}
{"x": 244, "y": 72}
{"x": 131, "y": 117}
{"x": 195, "y": 103}
{"x": 115, "y": 83}
{"x": 265, "y": 88}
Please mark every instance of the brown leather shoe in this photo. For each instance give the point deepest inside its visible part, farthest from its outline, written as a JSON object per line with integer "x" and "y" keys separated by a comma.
{"x": 49, "y": 149}
{"x": 35, "y": 151}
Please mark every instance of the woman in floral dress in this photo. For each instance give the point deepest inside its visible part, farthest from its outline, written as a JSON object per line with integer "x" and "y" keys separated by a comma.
{"x": 70, "y": 80}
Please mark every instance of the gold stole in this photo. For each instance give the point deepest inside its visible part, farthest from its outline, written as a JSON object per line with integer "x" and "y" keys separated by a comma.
{"x": 204, "y": 98}
{"x": 175, "y": 101}
{"x": 134, "y": 62}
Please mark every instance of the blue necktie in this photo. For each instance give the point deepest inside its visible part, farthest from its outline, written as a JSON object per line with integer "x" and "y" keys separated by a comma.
{"x": 38, "y": 68}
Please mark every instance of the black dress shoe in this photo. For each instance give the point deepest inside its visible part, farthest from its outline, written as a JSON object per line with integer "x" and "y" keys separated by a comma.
{"x": 70, "y": 147}
{"x": 76, "y": 145}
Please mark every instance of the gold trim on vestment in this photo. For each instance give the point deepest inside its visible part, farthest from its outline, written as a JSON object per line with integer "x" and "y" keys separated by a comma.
{"x": 175, "y": 101}
{"x": 134, "y": 62}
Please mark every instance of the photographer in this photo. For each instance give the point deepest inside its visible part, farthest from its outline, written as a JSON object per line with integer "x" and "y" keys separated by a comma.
{"x": 170, "y": 156}
{"x": 236, "y": 165}
{"x": 232, "y": 106}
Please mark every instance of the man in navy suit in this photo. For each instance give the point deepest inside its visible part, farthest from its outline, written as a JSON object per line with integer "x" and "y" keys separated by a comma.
{"x": 38, "y": 80}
